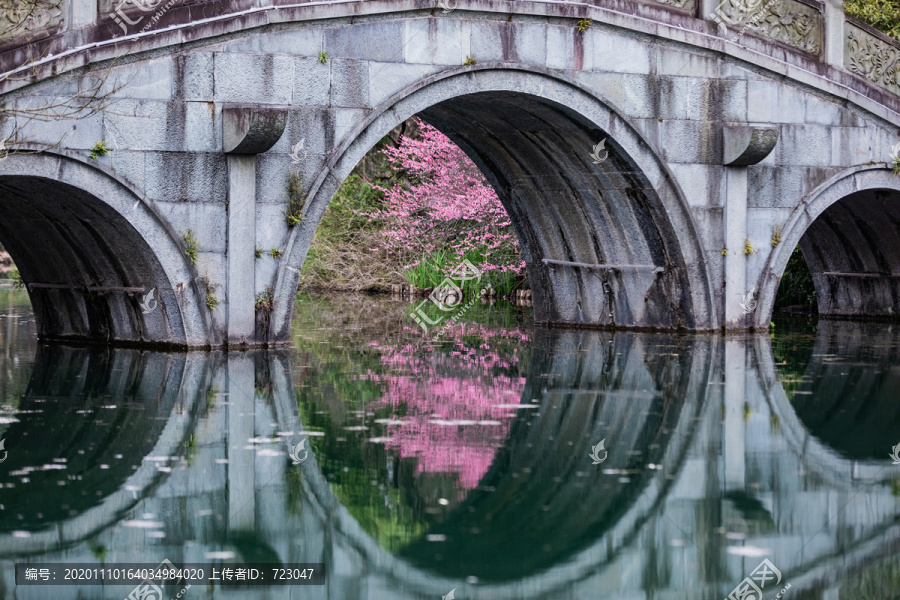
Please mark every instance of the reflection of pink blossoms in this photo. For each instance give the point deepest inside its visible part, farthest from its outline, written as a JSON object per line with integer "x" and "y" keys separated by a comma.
{"x": 451, "y": 422}
{"x": 446, "y": 206}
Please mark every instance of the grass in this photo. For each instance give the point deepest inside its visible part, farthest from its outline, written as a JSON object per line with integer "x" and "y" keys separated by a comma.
{"x": 432, "y": 272}
{"x": 18, "y": 282}
{"x": 323, "y": 57}
{"x": 190, "y": 245}
{"x": 748, "y": 247}
{"x": 469, "y": 61}
{"x": 258, "y": 252}
{"x": 584, "y": 25}
{"x": 275, "y": 253}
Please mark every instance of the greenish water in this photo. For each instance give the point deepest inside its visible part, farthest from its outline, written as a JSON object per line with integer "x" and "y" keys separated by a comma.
{"x": 462, "y": 461}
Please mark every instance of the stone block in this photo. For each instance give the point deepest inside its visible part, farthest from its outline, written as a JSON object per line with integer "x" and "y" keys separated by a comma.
{"x": 186, "y": 177}
{"x": 207, "y": 219}
{"x": 198, "y": 69}
{"x": 773, "y": 102}
{"x": 804, "y": 145}
{"x": 380, "y": 40}
{"x": 257, "y": 78}
{"x": 349, "y": 83}
{"x": 703, "y": 185}
{"x": 312, "y": 82}
{"x": 386, "y": 79}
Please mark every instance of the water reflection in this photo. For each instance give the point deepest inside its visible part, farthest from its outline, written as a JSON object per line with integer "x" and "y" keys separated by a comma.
{"x": 462, "y": 464}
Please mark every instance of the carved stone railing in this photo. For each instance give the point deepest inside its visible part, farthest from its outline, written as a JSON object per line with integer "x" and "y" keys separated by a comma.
{"x": 871, "y": 54}
{"x": 31, "y": 19}
{"x": 799, "y": 24}
{"x": 817, "y": 28}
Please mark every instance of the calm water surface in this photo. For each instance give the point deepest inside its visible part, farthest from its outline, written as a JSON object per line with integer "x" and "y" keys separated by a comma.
{"x": 461, "y": 464}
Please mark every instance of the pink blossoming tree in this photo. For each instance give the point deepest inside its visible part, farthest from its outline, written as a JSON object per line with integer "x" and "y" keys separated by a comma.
{"x": 443, "y": 211}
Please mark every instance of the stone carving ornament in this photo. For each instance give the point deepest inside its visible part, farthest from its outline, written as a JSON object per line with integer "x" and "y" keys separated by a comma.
{"x": 787, "y": 21}
{"x": 21, "y": 16}
{"x": 871, "y": 58}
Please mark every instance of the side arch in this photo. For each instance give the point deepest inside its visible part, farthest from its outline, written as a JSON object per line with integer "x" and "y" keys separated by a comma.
{"x": 531, "y": 133}
{"x": 90, "y": 247}
{"x": 852, "y": 248}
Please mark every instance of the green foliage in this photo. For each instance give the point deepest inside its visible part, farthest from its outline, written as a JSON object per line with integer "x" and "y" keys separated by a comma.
{"x": 275, "y": 253}
{"x": 18, "y": 282}
{"x": 294, "y": 213}
{"x": 896, "y": 166}
{"x": 469, "y": 61}
{"x": 323, "y": 57}
{"x": 584, "y": 25}
{"x": 99, "y": 150}
{"x": 190, "y": 245}
{"x": 776, "y": 236}
{"x": 432, "y": 272}
{"x": 796, "y": 285}
{"x": 258, "y": 252}
{"x": 883, "y": 15}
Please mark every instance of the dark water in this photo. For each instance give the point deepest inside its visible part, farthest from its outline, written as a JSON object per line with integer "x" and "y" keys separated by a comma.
{"x": 464, "y": 463}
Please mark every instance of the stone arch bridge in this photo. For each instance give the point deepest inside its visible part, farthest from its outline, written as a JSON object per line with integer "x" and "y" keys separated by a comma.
{"x": 734, "y": 132}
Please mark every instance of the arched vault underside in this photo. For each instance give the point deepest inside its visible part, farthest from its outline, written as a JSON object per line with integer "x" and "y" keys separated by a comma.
{"x": 848, "y": 230}
{"x": 622, "y": 220}
{"x": 90, "y": 251}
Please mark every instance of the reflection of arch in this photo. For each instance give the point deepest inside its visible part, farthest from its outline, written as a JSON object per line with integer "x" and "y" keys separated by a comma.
{"x": 636, "y": 405}
{"x": 818, "y": 455}
{"x": 67, "y": 379}
{"x": 600, "y": 385}
{"x": 851, "y": 247}
{"x": 531, "y": 134}
{"x": 79, "y": 236}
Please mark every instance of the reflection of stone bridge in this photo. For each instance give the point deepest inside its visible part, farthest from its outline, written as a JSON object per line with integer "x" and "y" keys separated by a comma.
{"x": 726, "y": 151}
{"x": 733, "y": 464}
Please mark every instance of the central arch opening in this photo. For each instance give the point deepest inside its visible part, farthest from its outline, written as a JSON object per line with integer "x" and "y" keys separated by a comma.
{"x": 605, "y": 235}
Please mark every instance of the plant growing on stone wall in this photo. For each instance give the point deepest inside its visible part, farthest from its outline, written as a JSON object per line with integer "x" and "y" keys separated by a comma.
{"x": 748, "y": 247}
{"x": 258, "y": 252}
{"x": 275, "y": 253}
{"x": 469, "y": 61}
{"x": 265, "y": 304}
{"x": 776, "y": 236}
{"x": 190, "y": 245}
{"x": 294, "y": 213}
{"x": 584, "y": 25}
{"x": 212, "y": 302}
{"x": 724, "y": 251}
{"x": 323, "y": 57}
{"x": 99, "y": 150}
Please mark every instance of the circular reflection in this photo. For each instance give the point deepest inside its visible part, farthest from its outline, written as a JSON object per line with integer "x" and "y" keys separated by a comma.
{"x": 85, "y": 423}
{"x": 846, "y": 396}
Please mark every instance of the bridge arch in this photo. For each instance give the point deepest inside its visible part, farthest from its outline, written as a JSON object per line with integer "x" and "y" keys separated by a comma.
{"x": 531, "y": 133}
{"x": 847, "y": 230}
{"x": 89, "y": 248}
